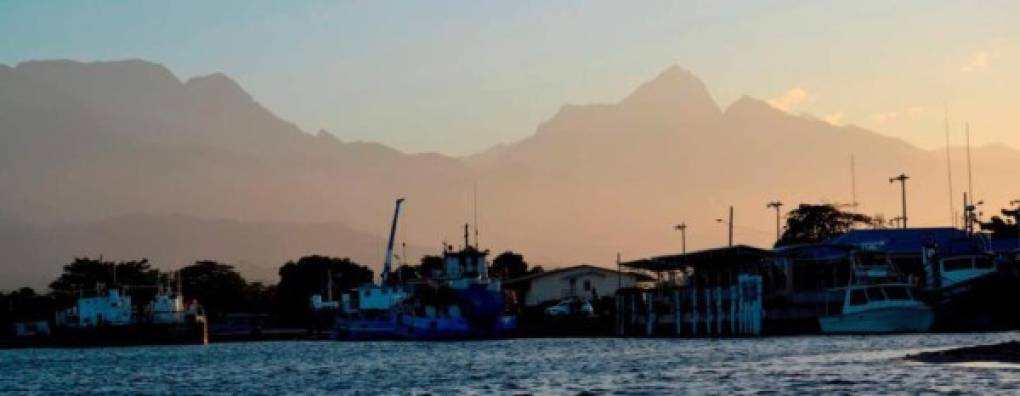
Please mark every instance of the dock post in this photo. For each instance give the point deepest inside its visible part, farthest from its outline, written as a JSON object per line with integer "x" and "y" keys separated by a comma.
{"x": 718, "y": 310}
{"x": 694, "y": 312}
{"x": 649, "y": 313}
{"x": 676, "y": 313}
{"x": 733, "y": 309}
{"x": 741, "y": 322}
{"x": 617, "y": 314}
{"x": 708, "y": 311}
{"x": 633, "y": 311}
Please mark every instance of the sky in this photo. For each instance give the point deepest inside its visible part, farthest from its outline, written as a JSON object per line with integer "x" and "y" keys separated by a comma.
{"x": 456, "y": 77}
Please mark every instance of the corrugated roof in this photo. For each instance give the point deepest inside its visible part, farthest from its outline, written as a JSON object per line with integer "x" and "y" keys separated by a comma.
{"x": 529, "y": 277}
{"x": 739, "y": 254}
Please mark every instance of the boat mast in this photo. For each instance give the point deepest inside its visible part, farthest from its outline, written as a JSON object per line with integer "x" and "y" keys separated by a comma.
{"x": 949, "y": 173}
{"x": 389, "y": 246}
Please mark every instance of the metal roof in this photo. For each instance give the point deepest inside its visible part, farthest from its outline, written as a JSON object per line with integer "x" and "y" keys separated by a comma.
{"x": 718, "y": 257}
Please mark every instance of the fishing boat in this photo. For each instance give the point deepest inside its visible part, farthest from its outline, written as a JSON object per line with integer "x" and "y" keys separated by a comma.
{"x": 883, "y": 308}
{"x": 874, "y": 301}
{"x": 970, "y": 287}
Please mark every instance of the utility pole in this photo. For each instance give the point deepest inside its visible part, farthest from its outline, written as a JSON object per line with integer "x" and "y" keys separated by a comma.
{"x": 902, "y": 178}
{"x": 776, "y": 204}
{"x": 1016, "y": 218}
{"x": 682, "y": 227}
{"x": 730, "y": 225}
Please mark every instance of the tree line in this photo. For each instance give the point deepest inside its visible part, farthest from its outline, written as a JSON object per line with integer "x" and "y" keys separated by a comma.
{"x": 219, "y": 287}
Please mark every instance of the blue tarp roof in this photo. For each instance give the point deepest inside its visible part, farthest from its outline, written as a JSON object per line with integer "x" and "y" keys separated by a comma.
{"x": 905, "y": 240}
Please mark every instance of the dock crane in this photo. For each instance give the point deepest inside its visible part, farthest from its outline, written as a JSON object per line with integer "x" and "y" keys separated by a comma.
{"x": 388, "y": 261}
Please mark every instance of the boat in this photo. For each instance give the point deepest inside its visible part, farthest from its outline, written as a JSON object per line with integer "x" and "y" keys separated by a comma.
{"x": 110, "y": 320}
{"x": 884, "y": 308}
{"x": 874, "y": 302}
{"x": 970, "y": 287}
{"x": 457, "y": 300}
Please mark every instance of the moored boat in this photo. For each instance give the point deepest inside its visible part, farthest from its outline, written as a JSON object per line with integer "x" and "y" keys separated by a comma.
{"x": 881, "y": 308}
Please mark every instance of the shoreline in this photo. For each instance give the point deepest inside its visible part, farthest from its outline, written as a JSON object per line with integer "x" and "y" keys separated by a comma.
{"x": 1005, "y": 352}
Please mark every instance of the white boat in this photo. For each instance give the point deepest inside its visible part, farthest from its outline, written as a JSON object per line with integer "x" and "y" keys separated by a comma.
{"x": 879, "y": 308}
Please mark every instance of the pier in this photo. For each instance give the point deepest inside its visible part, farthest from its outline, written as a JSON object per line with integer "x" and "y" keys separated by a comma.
{"x": 710, "y": 293}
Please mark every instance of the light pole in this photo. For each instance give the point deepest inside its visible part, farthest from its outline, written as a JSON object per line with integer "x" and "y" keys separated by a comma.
{"x": 776, "y": 204}
{"x": 682, "y": 227}
{"x": 902, "y": 178}
{"x": 1016, "y": 218}
{"x": 730, "y": 225}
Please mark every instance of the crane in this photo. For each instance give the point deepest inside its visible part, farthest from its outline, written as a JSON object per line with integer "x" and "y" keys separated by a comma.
{"x": 389, "y": 246}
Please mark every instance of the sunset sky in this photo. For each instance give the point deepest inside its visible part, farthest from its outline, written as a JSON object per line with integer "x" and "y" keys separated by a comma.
{"x": 457, "y": 77}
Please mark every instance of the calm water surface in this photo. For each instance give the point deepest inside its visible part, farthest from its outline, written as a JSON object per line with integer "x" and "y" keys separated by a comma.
{"x": 852, "y": 364}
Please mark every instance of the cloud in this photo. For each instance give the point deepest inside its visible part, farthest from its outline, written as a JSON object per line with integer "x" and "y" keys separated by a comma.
{"x": 977, "y": 63}
{"x": 834, "y": 118}
{"x": 883, "y": 117}
{"x": 790, "y": 100}
{"x": 981, "y": 59}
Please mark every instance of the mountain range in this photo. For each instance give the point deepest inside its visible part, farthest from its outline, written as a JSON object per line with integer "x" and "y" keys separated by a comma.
{"x": 126, "y": 160}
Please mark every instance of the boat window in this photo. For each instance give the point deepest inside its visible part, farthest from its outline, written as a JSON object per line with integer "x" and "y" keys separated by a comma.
{"x": 897, "y": 293}
{"x": 983, "y": 263}
{"x": 857, "y": 297}
{"x": 957, "y": 264}
{"x": 875, "y": 294}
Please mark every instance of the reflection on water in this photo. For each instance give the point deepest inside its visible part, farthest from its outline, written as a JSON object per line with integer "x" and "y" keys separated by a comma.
{"x": 865, "y": 364}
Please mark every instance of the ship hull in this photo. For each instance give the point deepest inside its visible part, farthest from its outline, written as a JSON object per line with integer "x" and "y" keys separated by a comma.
{"x": 880, "y": 321}
{"x": 987, "y": 303}
{"x": 114, "y": 336}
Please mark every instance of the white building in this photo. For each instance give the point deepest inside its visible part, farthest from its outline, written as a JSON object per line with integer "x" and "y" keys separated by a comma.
{"x": 586, "y": 282}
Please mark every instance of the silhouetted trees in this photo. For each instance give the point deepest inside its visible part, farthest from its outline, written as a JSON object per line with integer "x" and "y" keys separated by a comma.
{"x": 24, "y": 305}
{"x": 810, "y": 223}
{"x": 137, "y": 278}
{"x": 429, "y": 264}
{"x": 220, "y": 289}
{"x": 310, "y": 275}
{"x": 508, "y": 265}
{"x": 1001, "y": 227}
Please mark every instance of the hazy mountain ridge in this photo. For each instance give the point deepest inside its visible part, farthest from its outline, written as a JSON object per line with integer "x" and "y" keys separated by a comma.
{"x": 171, "y": 241}
{"x": 592, "y": 181}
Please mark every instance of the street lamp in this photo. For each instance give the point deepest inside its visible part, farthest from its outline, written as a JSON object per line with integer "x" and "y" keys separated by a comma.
{"x": 682, "y": 227}
{"x": 776, "y": 204}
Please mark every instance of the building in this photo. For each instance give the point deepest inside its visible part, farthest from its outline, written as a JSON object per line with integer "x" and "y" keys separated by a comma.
{"x": 584, "y": 281}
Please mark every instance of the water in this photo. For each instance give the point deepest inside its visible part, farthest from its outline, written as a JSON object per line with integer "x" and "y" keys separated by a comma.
{"x": 851, "y": 364}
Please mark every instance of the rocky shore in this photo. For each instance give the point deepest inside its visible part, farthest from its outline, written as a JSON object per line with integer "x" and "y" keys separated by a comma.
{"x": 1007, "y": 352}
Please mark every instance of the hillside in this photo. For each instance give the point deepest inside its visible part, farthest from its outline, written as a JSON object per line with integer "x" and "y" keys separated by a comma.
{"x": 124, "y": 159}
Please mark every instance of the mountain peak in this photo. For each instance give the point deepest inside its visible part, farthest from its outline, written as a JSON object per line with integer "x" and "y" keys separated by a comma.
{"x": 747, "y": 105}
{"x": 674, "y": 89}
{"x": 217, "y": 85}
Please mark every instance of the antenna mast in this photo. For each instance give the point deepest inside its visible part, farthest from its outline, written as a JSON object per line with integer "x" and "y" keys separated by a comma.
{"x": 853, "y": 182}
{"x": 476, "y": 214}
{"x": 949, "y": 172}
{"x": 970, "y": 175}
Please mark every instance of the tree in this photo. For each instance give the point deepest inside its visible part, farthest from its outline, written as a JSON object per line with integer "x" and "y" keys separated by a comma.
{"x": 406, "y": 273}
{"x": 810, "y": 223}
{"x": 508, "y": 265}
{"x": 429, "y": 264}
{"x": 218, "y": 287}
{"x": 24, "y": 304}
{"x": 309, "y": 275}
{"x": 85, "y": 274}
{"x": 1003, "y": 228}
